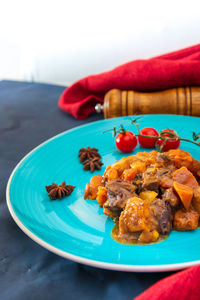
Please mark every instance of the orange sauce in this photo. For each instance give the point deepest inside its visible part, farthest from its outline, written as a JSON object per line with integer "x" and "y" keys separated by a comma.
{"x": 133, "y": 240}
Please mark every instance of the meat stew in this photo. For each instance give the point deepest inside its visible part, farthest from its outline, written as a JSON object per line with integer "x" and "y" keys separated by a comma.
{"x": 149, "y": 194}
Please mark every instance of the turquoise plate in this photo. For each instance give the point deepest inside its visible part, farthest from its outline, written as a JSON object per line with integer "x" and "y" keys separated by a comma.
{"x": 77, "y": 229}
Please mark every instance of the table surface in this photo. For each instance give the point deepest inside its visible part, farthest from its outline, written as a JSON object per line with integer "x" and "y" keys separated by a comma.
{"x": 29, "y": 115}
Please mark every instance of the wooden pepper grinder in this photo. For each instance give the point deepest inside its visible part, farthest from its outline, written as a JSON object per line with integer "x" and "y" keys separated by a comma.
{"x": 180, "y": 101}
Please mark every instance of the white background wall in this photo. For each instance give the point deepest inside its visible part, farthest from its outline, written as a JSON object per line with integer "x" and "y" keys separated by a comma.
{"x": 62, "y": 41}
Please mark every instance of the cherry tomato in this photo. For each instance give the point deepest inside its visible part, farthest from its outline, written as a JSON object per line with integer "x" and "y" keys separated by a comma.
{"x": 126, "y": 141}
{"x": 171, "y": 144}
{"x": 145, "y": 141}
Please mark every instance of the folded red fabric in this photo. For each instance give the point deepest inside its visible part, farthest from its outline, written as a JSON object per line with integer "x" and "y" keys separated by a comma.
{"x": 176, "y": 69}
{"x": 184, "y": 285}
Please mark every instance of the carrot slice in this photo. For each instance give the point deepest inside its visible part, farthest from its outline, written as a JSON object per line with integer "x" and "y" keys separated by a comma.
{"x": 139, "y": 166}
{"x": 92, "y": 188}
{"x": 185, "y": 193}
{"x": 101, "y": 195}
{"x": 129, "y": 174}
{"x": 184, "y": 176}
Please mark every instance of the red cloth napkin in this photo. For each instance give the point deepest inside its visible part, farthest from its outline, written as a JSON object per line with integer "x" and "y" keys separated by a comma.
{"x": 176, "y": 69}
{"x": 184, "y": 285}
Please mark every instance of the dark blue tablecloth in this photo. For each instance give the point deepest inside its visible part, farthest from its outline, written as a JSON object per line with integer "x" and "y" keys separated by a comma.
{"x": 28, "y": 116}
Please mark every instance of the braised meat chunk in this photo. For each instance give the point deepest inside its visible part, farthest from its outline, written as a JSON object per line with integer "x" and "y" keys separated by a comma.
{"x": 150, "y": 180}
{"x": 170, "y": 196}
{"x": 118, "y": 192}
{"x": 186, "y": 220}
{"x": 162, "y": 212}
{"x": 196, "y": 200}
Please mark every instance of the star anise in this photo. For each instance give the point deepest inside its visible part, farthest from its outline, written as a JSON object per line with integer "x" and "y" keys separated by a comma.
{"x": 88, "y": 153}
{"x": 92, "y": 164}
{"x": 56, "y": 191}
